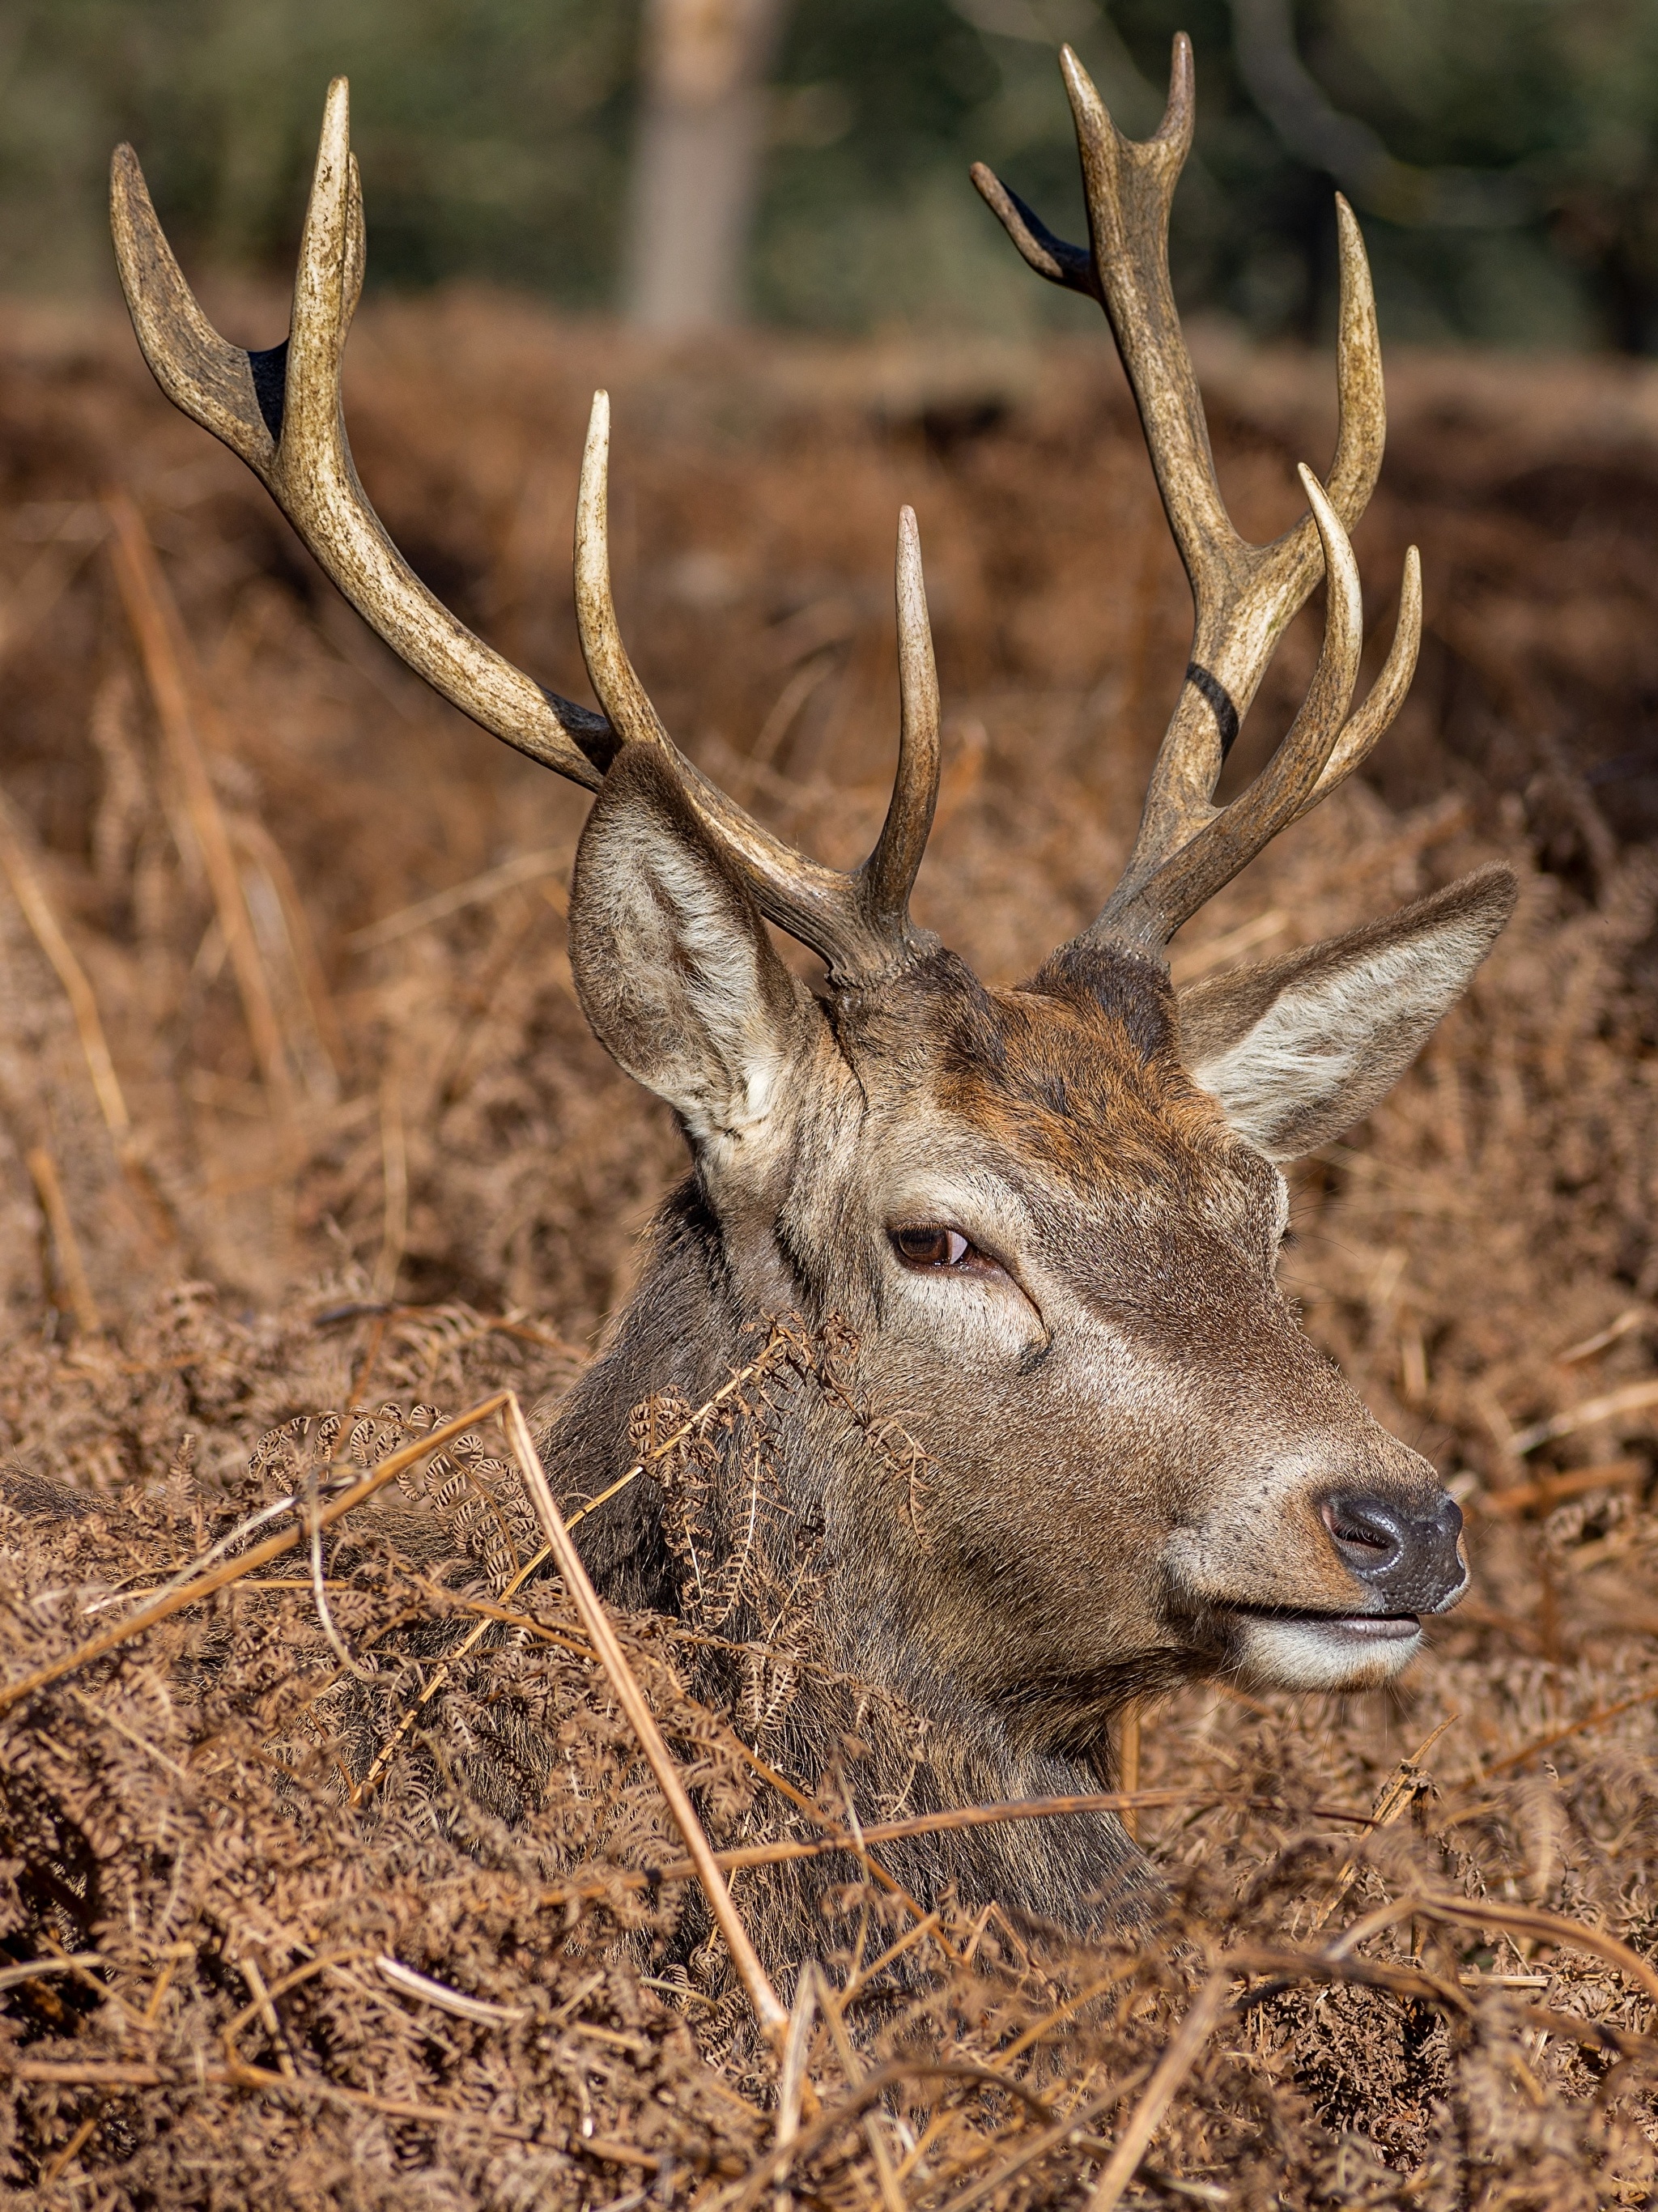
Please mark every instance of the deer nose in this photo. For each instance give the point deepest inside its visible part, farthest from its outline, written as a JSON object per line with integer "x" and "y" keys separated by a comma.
{"x": 1408, "y": 1554}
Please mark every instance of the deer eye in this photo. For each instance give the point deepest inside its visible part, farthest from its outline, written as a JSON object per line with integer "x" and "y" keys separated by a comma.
{"x": 931, "y": 1245}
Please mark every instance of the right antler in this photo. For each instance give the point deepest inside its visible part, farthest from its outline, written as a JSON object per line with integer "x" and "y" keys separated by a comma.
{"x": 1243, "y": 595}
{"x": 280, "y": 410}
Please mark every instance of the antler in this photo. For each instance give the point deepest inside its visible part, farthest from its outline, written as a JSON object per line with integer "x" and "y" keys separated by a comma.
{"x": 1243, "y": 595}
{"x": 281, "y": 412}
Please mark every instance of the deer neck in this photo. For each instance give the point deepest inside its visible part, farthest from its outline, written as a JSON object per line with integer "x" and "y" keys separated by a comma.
{"x": 927, "y": 1747}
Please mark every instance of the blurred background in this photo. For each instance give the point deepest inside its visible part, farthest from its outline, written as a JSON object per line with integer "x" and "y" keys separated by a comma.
{"x": 804, "y": 160}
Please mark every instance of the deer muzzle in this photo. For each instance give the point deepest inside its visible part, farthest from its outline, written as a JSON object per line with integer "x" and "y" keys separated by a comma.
{"x": 1410, "y": 1555}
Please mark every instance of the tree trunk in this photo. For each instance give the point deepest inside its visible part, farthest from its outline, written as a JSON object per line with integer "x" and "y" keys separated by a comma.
{"x": 696, "y": 165}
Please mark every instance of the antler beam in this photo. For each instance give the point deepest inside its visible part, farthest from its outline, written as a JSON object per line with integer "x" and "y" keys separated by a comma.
{"x": 1243, "y": 595}
{"x": 281, "y": 412}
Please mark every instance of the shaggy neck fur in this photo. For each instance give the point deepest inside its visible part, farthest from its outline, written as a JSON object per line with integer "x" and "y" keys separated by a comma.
{"x": 778, "y": 1558}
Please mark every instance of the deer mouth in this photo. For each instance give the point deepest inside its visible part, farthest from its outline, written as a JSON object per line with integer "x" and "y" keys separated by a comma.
{"x": 1368, "y": 1627}
{"x": 1291, "y": 1648}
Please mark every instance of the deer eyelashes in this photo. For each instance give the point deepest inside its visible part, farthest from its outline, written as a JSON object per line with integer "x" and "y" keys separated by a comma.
{"x": 930, "y": 1248}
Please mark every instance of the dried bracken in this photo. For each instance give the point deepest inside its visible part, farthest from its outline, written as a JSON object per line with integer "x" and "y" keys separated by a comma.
{"x": 349, "y": 1884}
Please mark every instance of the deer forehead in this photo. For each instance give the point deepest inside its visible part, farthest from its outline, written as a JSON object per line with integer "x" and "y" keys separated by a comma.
{"x": 1060, "y": 1114}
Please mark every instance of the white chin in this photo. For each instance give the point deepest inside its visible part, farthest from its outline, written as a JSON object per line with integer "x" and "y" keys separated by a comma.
{"x": 1351, "y": 1652}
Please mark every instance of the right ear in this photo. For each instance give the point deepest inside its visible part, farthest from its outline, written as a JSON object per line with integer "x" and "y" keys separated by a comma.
{"x": 675, "y": 971}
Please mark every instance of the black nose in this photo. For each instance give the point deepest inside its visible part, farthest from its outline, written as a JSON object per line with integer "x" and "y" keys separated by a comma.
{"x": 1406, "y": 1554}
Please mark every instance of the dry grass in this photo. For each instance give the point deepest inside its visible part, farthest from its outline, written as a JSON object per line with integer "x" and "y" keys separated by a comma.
{"x": 330, "y": 1888}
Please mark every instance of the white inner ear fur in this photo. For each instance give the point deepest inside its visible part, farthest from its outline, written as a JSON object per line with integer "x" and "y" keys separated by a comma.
{"x": 730, "y": 1087}
{"x": 1294, "y": 1062}
{"x": 1354, "y": 1030}
{"x": 676, "y": 972}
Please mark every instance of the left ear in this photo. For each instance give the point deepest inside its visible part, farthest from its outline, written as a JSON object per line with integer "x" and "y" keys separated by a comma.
{"x": 1300, "y": 1048}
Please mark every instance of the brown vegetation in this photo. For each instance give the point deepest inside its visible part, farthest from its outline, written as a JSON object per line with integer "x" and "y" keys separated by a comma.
{"x": 320, "y": 1882}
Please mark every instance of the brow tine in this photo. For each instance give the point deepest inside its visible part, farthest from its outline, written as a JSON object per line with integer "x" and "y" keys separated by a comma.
{"x": 203, "y": 374}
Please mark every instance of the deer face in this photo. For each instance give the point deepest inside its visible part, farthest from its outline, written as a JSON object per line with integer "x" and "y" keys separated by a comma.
{"x": 1052, "y": 1215}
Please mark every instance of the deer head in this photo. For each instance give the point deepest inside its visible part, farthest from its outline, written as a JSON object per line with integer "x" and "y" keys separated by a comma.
{"x": 1050, "y": 1213}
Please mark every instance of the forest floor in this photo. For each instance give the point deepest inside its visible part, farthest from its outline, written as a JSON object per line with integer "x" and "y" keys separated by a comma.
{"x": 299, "y": 1117}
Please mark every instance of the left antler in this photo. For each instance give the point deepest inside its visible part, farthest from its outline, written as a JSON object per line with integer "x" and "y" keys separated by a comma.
{"x": 1243, "y": 595}
{"x": 281, "y": 412}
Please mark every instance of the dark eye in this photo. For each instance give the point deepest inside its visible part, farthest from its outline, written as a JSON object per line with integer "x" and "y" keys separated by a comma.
{"x": 931, "y": 1245}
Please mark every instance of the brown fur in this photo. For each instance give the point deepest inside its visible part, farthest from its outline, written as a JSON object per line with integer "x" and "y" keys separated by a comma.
{"x": 1117, "y": 1441}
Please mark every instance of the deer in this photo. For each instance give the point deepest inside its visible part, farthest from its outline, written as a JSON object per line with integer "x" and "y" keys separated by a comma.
{"x": 1047, "y": 1216}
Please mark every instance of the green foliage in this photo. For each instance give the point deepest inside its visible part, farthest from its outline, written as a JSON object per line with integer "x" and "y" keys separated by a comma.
{"x": 1509, "y": 193}
{"x": 492, "y": 133}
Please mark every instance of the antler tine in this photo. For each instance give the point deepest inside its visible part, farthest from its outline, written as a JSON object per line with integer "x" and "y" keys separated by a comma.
{"x": 887, "y": 877}
{"x": 1386, "y": 696}
{"x": 859, "y": 924}
{"x": 611, "y": 673}
{"x": 1146, "y": 915}
{"x": 1243, "y": 595}
{"x": 280, "y": 410}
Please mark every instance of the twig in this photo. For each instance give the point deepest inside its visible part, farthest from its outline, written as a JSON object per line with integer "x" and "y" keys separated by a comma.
{"x": 266, "y": 2013}
{"x": 120, "y": 2074}
{"x": 1128, "y": 1767}
{"x": 1523, "y": 1919}
{"x": 478, "y": 2009}
{"x": 1395, "y": 1799}
{"x": 924, "y": 1824}
{"x": 31, "y": 896}
{"x": 1064, "y": 2131}
{"x": 1631, "y": 1317}
{"x": 71, "y": 1268}
{"x": 440, "y": 1674}
{"x": 165, "y": 652}
{"x": 768, "y": 2006}
{"x": 1633, "y": 1398}
{"x": 394, "y": 1157}
{"x": 12, "y": 1693}
{"x": 1542, "y": 1743}
{"x": 316, "y": 999}
{"x": 530, "y": 1627}
{"x": 1551, "y": 1490}
{"x": 873, "y": 2087}
{"x": 523, "y": 868}
{"x": 1288, "y": 1966}
{"x": 31, "y": 1970}
{"x": 1170, "y": 2071}
{"x": 71, "y": 2150}
{"x": 892, "y": 2196}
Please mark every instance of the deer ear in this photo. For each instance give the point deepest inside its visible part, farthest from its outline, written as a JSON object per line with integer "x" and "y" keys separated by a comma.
{"x": 1300, "y": 1048}
{"x": 675, "y": 973}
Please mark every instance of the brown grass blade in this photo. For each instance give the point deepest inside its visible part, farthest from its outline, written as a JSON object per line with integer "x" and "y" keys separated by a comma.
{"x": 768, "y": 2008}
{"x": 1171, "y": 2070}
{"x": 165, "y": 652}
{"x": 1520, "y": 1919}
{"x": 60, "y": 1226}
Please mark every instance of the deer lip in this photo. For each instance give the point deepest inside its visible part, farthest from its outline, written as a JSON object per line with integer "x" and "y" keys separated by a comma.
{"x": 1363, "y": 1627}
